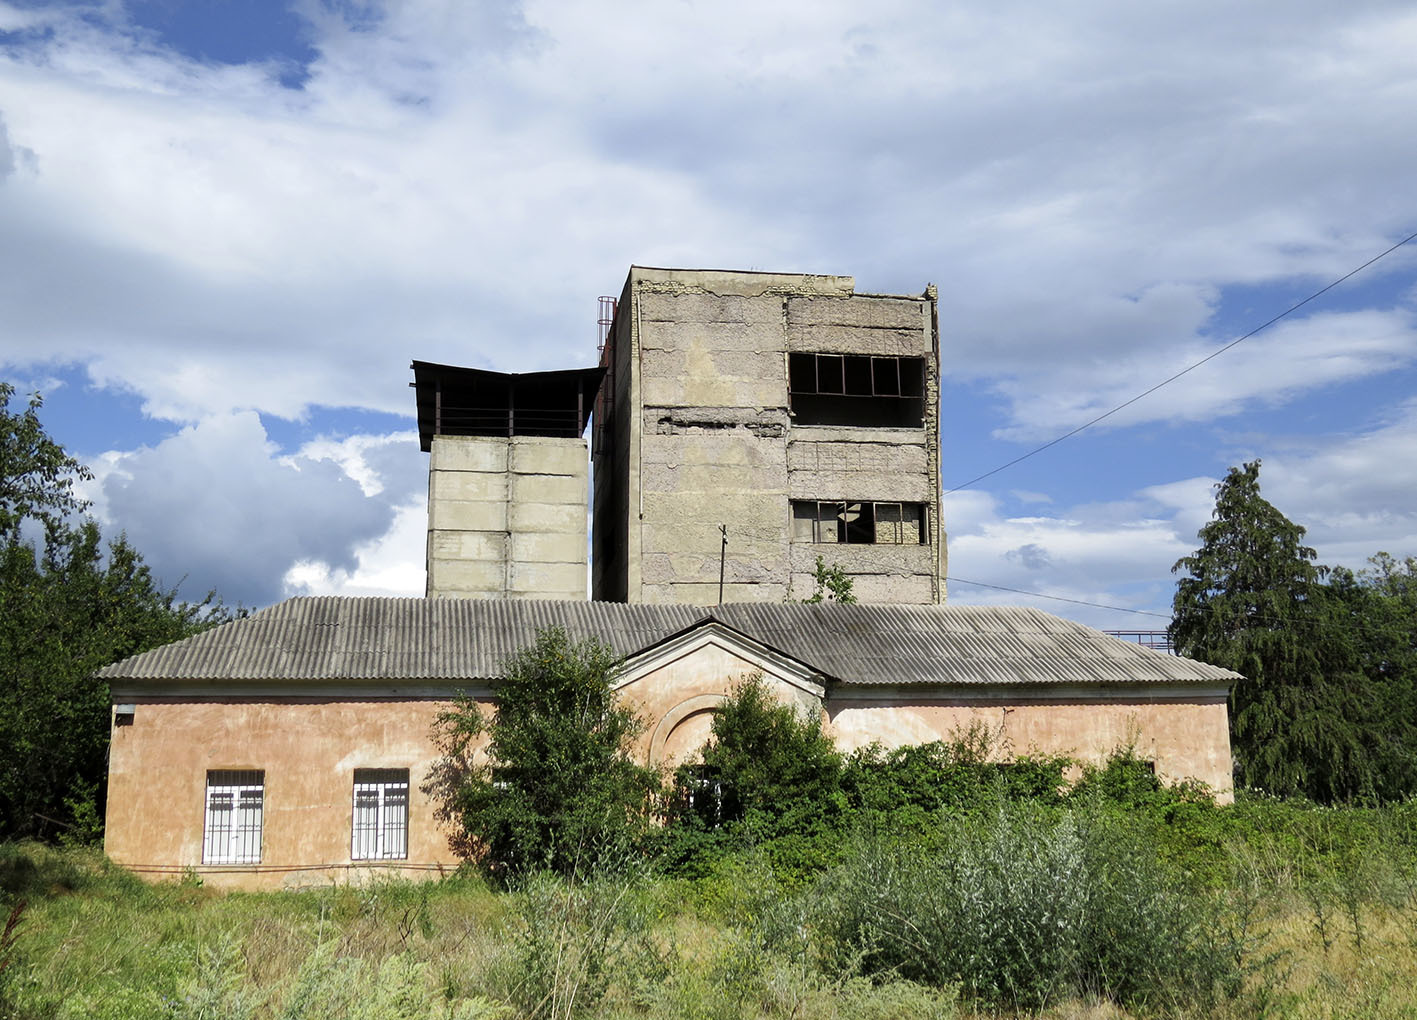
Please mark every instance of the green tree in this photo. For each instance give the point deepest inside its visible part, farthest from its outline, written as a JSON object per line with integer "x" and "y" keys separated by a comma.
{"x": 68, "y": 607}
{"x": 36, "y": 475}
{"x": 1303, "y": 719}
{"x": 769, "y": 776}
{"x": 556, "y": 786}
{"x": 832, "y": 585}
{"x": 1373, "y": 620}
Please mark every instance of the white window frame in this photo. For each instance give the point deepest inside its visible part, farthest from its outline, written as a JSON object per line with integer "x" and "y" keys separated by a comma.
{"x": 379, "y": 815}
{"x": 234, "y": 816}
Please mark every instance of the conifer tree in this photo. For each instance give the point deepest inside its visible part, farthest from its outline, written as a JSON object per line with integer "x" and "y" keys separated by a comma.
{"x": 1252, "y": 600}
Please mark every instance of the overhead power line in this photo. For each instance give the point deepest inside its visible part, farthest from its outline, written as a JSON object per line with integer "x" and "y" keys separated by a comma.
{"x": 1058, "y": 598}
{"x": 1190, "y": 368}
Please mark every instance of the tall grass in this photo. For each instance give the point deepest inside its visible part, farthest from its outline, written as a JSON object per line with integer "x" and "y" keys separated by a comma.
{"x": 1028, "y": 907}
{"x": 1061, "y": 910}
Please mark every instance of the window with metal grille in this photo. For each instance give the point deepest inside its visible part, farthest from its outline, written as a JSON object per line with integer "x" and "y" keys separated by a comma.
{"x": 831, "y": 521}
{"x": 380, "y": 815}
{"x": 857, "y": 389}
{"x": 235, "y": 809}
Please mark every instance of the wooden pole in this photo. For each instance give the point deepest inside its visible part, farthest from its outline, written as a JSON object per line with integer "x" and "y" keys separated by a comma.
{"x": 722, "y": 555}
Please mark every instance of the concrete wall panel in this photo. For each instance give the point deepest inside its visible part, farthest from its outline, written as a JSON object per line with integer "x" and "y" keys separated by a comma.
{"x": 496, "y": 533}
{"x": 705, "y": 593}
{"x": 468, "y": 453}
{"x": 467, "y": 515}
{"x": 856, "y": 485}
{"x": 461, "y": 577}
{"x": 547, "y": 547}
{"x": 855, "y": 340}
{"x": 561, "y": 517}
{"x": 469, "y": 545}
{"x": 860, "y": 310}
{"x": 901, "y": 560}
{"x": 548, "y": 580}
{"x": 729, "y": 283}
{"x": 903, "y": 589}
{"x": 855, "y": 458}
{"x": 469, "y": 486}
{"x": 670, "y": 311}
{"x": 534, "y": 455}
{"x": 564, "y": 489}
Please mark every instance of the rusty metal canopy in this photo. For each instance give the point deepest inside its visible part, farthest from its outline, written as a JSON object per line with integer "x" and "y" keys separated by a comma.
{"x": 456, "y": 401}
{"x": 454, "y": 641}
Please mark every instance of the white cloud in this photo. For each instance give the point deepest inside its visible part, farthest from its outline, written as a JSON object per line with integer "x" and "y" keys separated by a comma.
{"x": 1093, "y": 187}
{"x": 216, "y": 506}
{"x": 1292, "y": 357}
{"x": 1353, "y": 494}
{"x": 1081, "y": 182}
{"x": 391, "y": 564}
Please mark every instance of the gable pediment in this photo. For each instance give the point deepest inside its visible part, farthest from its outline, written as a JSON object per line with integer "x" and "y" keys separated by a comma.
{"x": 712, "y": 640}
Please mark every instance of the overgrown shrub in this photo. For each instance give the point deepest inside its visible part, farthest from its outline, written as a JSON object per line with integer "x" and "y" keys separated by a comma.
{"x": 770, "y": 778}
{"x": 906, "y": 787}
{"x": 557, "y": 786}
{"x": 333, "y": 987}
{"x": 1025, "y": 908}
{"x": 570, "y": 940}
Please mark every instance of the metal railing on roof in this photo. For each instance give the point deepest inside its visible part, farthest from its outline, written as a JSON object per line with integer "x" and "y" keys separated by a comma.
{"x": 1158, "y": 640}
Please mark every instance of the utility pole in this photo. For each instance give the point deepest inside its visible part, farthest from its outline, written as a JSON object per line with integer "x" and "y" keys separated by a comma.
{"x": 722, "y": 556}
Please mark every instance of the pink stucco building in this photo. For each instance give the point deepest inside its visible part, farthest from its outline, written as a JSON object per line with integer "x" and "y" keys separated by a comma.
{"x": 288, "y": 748}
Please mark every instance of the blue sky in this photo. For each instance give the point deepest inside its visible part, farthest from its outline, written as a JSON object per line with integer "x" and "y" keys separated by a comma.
{"x": 227, "y": 227}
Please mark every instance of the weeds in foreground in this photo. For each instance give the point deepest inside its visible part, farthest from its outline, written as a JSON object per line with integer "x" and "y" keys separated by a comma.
{"x": 1028, "y": 909}
{"x": 1069, "y": 912}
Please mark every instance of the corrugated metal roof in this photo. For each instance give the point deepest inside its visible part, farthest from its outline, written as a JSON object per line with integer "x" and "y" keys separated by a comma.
{"x": 333, "y": 638}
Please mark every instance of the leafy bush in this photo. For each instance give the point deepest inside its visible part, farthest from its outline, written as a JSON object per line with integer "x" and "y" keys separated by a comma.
{"x": 906, "y": 787}
{"x": 770, "y": 778}
{"x": 557, "y": 787}
{"x": 1024, "y": 909}
{"x": 331, "y": 987}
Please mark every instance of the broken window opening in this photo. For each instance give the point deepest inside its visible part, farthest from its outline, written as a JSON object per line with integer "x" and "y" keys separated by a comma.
{"x": 858, "y": 523}
{"x": 857, "y": 389}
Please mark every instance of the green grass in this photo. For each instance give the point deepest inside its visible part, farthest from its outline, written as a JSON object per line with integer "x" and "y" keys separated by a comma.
{"x": 1264, "y": 909}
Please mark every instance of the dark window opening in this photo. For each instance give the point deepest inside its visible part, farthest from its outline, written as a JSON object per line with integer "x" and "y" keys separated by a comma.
{"x": 859, "y": 523}
{"x": 701, "y": 793}
{"x": 857, "y": 389}
{"x": 473, "y": 402}
{"x": 858, "y": 377}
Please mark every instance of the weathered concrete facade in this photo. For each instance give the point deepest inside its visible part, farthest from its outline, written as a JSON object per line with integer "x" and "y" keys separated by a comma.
{"x": 507, "y": 517}
{"x": 705, "y": 419}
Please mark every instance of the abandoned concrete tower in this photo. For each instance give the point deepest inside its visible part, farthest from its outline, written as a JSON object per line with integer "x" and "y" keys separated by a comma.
{"x": 508, "y": 480}
{"x": 798, "y": 416}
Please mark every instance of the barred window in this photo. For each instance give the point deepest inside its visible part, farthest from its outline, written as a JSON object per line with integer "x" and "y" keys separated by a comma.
{"x": 380, "y": 815}
{"x": 234, "y": 815}
{"x": 831, "y": 521}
